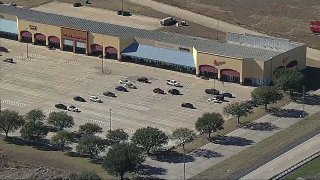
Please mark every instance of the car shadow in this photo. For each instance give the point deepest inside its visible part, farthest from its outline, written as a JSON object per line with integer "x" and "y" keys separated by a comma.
{"x": 288, "y": 113}
{"x": 150, "y": 170}
{"x": 261, "y": 126}
{"x": 171, "y": 157}
{"x": 232, "y": 141}
{"x": 206, "y": 153}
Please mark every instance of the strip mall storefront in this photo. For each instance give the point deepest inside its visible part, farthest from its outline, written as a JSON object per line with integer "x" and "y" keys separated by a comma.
{"x": 74, "y": 40}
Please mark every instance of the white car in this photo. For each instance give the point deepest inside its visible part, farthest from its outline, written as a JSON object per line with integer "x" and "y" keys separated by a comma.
{"x": 72, "y": 108}
{"x": 172, "y": 82}
{"x": 214, "y": 99}
{"x": 95, "y": 99}
{"x": 124, "y": 81}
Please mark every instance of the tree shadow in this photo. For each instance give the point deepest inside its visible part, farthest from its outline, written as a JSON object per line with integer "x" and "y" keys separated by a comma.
{"x": 171, "y": 157}
{"x": 232, "y": 140}
{"x": 150, "y": 170}
{"x": 40, "y": 144}
{"x": 206, "y": 153}
{"x": 288, "y": 113}
{"x": 309, "y": 99}
{"x": 75, "y": 154}
{"x": 261, "y": 126}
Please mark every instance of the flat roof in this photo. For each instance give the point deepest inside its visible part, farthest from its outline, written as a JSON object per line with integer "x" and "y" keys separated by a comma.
{"x": 160, "y": 54}
{"x": 201, "y": 44}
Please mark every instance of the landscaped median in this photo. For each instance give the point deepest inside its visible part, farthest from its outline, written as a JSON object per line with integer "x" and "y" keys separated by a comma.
{"x": 264, "y": 151}
{"x": 231, "y": 125}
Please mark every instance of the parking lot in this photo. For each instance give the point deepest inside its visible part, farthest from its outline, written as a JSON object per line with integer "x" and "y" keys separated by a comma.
{"x": 50, "y": 77}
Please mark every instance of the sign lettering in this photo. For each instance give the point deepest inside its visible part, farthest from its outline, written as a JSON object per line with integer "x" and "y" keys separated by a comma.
{"x": 74, "y": 36}
{"x": 33, "y": 27}
{"x": 217, "y": 63}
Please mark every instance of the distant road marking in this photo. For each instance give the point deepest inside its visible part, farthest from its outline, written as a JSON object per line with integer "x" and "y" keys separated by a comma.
{"x": 13, "y": 103}
{"x": 68, "y": 62}
{"x": 129, "y": 131}
{"x": 48, "y": 111}
{"x": 290, "y": 157}
{"x": 2, "y": 109}
{"x": 307, "y": 148}
{"x": 35, "y": 55}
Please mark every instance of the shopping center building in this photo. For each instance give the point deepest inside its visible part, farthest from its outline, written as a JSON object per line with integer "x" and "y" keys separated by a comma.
{"x": 244, "y": 59}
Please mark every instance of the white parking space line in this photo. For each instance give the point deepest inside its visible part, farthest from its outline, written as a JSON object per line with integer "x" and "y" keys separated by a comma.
{"x": 94, "y": 121}
{"x": 13, "y": 103}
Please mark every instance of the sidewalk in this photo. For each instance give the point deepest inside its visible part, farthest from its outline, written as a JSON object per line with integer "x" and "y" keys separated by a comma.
{"x": 215, "y": 153}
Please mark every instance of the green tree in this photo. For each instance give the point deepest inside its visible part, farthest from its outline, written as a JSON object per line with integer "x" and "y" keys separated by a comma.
{"x": 149, "y": 138}
{"x": 209, "y": 122}
{"x": 266, "y": 95}
{"x": 237, "y": 109}
{"x": 117, "y": 135}
{"x": 60, "y": 120}
{"x": 31, "y": 131}
{"x": 288, "y": 80}
{"x": 10, "y": 121}
{"x": 89, "y": 128}
{"x": 90, "y": 145}
{"x": 35, "y": 115}
{"x": 62, "y": 138}
{"x": 123, "y": 158}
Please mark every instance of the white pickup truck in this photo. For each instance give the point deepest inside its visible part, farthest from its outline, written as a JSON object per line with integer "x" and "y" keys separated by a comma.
{"x": 172, "y": 82}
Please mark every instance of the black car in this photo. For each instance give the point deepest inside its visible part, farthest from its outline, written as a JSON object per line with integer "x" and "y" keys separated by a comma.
{"x": 143, "y": 80}
{"x": 187, "y": 105}
{"x": 174, "y": 91}
{"x": 158, "y": 91}
{"x": 110, "y": 94}
{"x": 228, "y": 95}
{"x": 61, "y": 106}
{"x": 121, "y": 88}
{"x": 77, "y": 4}
{"x": 8, "y": 60}
{"x": 3, "y": 49}
{"x": 212, "y": 91}
{"x": 79, "y": 98}
{"x": 219, "y": 97}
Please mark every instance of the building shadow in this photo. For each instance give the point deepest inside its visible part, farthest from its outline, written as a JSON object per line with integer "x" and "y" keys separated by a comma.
{"x": 148, "y": 170}
{"x": 261, "y": 126}
{"x": 206, "y": 153}
{"x": 171, "y": 157}
{"x": 288, "y": 113}
{"x": 232, "y": 141}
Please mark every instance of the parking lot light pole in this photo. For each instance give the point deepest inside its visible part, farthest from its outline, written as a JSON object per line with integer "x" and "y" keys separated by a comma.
{"x": 110, "y": 120}
{"x": 303, "y": 96}
{"x": 102, "y": 59}
{"x": 27, "y": 49}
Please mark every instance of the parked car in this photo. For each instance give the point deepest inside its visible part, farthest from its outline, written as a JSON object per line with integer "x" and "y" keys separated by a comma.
{"x": 251, "y": 103}
{"x": 79, "y": 98}
{"x": 143, "y": 80}
{"x": 77, "y": 4}
{"x": 51, "y": 48}
{"x": 110, "y": 94}
{"x": 212, "y": 91}
{"x": 72, "y": 108}
{"x": 95, "y": 99}
{"x": 124, "y": 81}
{"x": 204, "y": 77}
{"x": 3, "y": 49}
{"x": 174, "y": 91}
{"x": 130, "y": 85}
{"x": 214, "y": 99}
{"x": 158, "y": 91}
{"x": 8, "y": 60}
{"x": 187, "y": 105}
{"x": 226, "y": 94}
{"x": 220, "y": 97}
{"x": 172, "y": 82}
{"x": 61, "y": 106}
{"x": 121, "y": 88}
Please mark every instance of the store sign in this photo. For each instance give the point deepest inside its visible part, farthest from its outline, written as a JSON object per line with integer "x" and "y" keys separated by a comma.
{"x": 73, "y": 34}
{"x": 33, "y": 27}
{"x": 218, "y": 63}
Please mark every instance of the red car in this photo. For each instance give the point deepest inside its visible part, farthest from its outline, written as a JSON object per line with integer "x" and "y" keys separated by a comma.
{"x": 315, "y": 26}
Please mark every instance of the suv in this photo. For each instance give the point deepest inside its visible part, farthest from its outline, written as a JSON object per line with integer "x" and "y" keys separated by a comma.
{"x": 212, "y": 91}
{"x": 77, "y": 4}
{"x": 226, "y": 94}
{"x": 124, "y": 81}
{"x": 79, "y": 98}
{"x": 143, "y": 80}
{"x": 130, "y": 85}
{"x": 61, "y": 106}
{"x": 121, "y": 88}
{"x": 95, "y": 99}
{"x": 72, "y": 108}
{"x": 174, "y": 91}
{"x": 3, "y": 49}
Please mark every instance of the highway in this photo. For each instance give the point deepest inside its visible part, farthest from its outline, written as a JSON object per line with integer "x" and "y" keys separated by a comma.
{"x": 286, "y": 160}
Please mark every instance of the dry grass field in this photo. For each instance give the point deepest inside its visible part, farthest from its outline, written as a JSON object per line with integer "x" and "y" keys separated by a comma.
{"x": 283, "y": 18}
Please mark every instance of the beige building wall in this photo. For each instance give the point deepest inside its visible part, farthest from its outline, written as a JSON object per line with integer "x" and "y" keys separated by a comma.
{"x": 47, "y": 30}
{"x": 8, "y": 17}
{"x": 252, "y": 69}
{"x": 104, "y": 40}
{"x": 229, "y": 63}
{"x": 125, "y": 42}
